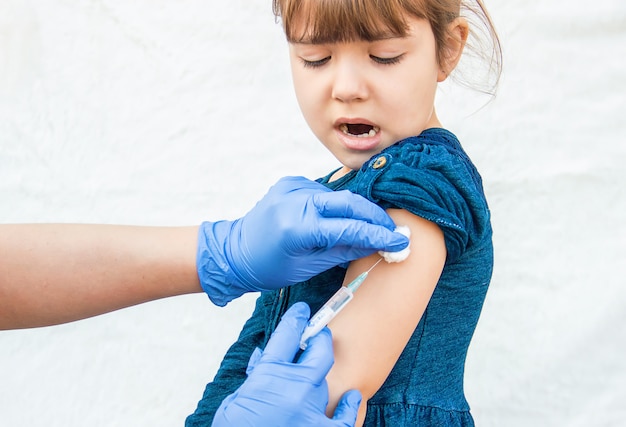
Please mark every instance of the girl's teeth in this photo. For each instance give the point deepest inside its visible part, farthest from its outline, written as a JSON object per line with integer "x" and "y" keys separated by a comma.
{"x": 371, "y": 133}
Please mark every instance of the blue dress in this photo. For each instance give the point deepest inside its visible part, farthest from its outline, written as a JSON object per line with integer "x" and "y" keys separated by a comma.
{"x": 431, "y": 176}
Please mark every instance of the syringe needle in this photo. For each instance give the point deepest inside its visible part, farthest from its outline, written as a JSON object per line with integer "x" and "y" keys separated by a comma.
{"x": 372, "y": 267}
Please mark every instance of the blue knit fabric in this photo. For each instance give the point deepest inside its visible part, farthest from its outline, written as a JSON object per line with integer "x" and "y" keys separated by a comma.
{"x": 431, "y": 176}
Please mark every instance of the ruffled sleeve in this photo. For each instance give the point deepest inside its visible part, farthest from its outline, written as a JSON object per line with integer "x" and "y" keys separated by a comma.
{"x": 436, "y": 182}
{"x": 430, "y": 176}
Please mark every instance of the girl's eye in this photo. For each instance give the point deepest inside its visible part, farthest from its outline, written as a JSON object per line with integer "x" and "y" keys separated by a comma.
{"x": 315, "y": 64}
{"x": 386, "y": 61}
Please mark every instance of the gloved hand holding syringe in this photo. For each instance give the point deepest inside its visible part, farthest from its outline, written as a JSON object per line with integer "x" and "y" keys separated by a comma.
{"x": 344, "y": 295}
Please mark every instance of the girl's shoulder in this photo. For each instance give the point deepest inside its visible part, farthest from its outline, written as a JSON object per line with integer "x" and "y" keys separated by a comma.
{"x": 435, "y": 149}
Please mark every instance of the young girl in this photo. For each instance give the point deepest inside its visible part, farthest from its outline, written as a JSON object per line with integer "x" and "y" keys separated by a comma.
{"x": 365, "y": 74}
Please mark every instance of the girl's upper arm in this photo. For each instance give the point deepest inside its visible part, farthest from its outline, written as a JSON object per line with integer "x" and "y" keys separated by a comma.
{"x": 371, "y": 332}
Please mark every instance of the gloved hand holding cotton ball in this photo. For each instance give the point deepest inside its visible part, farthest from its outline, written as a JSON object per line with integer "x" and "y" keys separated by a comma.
{"x": 400, "y": 255}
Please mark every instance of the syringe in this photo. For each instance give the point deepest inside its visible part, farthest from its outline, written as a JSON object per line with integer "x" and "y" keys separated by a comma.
{"x": 332, "y": 307}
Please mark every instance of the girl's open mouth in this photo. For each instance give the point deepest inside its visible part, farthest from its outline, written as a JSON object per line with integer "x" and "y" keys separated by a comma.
{"x": 359, "y": 130}
{"x": 359, "y": 135}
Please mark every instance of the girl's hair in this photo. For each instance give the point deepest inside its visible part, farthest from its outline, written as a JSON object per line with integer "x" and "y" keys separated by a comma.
{"x": 331, "y": 21}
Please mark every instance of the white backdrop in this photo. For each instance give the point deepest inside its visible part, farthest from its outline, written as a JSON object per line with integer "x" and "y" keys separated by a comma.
{"x": 170, "y": 113}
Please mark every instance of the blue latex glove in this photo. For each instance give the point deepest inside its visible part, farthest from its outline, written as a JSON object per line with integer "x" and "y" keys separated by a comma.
{"x": 299, "y": 229}
{"x": 280, "y": 393}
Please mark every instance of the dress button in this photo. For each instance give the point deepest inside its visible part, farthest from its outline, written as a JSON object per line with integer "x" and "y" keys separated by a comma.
{"x": 379, "y": 162}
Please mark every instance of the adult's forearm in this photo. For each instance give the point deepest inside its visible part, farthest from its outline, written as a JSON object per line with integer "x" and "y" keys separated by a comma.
{"x": 56, "y": 273}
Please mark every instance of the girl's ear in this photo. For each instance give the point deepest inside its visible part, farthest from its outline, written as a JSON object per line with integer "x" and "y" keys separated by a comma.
{"x": 457, "y": 33}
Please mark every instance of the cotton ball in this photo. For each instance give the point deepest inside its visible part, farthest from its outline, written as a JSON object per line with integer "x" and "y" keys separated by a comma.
{"x": 400, "y": 255}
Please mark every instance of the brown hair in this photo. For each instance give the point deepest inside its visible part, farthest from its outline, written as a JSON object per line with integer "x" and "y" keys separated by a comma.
{"x": 331, "y": 21}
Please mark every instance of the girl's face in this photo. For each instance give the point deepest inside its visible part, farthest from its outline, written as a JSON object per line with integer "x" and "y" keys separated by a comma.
{"x": 360, "y": 97}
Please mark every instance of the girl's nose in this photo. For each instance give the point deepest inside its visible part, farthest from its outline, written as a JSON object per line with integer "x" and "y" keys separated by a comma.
{"x": 348, "y": 83}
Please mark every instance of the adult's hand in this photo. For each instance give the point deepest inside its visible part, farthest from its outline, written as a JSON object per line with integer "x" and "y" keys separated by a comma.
{"x": 299, "y": 229}
{"x": 281, "y": 392}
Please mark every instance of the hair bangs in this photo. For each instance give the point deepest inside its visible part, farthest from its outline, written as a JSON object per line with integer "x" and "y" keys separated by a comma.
{"x": 334, "y": 21}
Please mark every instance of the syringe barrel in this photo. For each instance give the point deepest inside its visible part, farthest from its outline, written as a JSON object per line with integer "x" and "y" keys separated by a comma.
{"x": 338, "y": 300}
{"x": 325, "y": 314}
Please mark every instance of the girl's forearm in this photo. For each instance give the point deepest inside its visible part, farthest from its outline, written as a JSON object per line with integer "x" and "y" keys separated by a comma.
{"x": 56, "y": 273}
